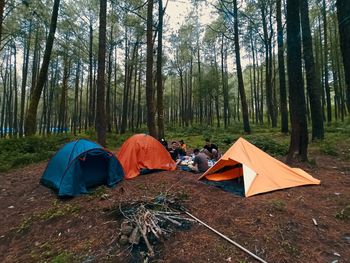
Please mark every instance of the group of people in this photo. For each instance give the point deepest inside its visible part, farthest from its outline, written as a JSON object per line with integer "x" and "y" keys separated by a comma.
{"x": 178, "y": 150}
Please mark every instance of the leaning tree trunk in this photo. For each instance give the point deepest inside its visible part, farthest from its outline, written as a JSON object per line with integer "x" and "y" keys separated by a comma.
{"x": 299, "y": 136}
{"x": 343, "y": 10}
{"x": 101, "y": 110}
{"x": 30, "y": 122}
{"x": 151, "y": 124}
{"x": 313, "y": 88}
{"x": 239, "y": 72}
{"x": 281, "y": 70}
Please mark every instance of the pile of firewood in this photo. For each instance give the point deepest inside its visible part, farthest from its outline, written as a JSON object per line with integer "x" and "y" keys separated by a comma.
{"x": 151, "y": 221}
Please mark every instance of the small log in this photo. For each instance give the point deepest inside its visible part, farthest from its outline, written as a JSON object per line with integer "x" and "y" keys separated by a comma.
{"x": 157, "y": 228}
{"x": 135, "y": 236}
{"x": 154, "y": 232}
{"x": 173, "y": 221}
{"x": 149, "y": 247}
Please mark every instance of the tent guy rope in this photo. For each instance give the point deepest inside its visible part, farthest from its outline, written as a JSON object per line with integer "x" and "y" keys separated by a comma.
{"x": 228, "y": 239}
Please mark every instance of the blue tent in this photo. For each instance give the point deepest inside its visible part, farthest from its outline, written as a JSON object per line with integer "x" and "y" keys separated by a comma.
{"x": 79, "y": 165}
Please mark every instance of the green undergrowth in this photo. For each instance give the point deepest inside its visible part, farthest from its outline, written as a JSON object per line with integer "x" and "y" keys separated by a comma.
{"x": 336, "y": 142}
{"x": 15, "y": 152}
{"x": 19, "y": 152}
{"x": 267, "y": 139}
{"x": 46, "y": 252}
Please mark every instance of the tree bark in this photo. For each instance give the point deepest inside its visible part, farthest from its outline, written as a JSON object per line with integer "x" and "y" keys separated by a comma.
{"x": 160, "y": 91}
{"x": 24, "y": 78}
{"x": 30, "y": 123}
{"x": 15, "y": 106}
{"x": 326, "y": 82}
{"x": 314, "y": 90}
{"x": 239, "y": 71}
{"x": 2, "y": 7}
{"x": 343, "y": 11}
{"x": 90, "y": 93}
{"x": 281, "y": 70}
{"x": 101, "y": 110}
{"x": 151, "y": 124}
{"x": 268, "y": 69}
{"x": 299, "y": 135}
{"x": 109, "y": 88}
{"x": 64, "y": 91}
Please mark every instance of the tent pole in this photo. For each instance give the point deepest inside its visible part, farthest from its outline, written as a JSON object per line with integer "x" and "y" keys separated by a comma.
{"x": 225, "y": 237}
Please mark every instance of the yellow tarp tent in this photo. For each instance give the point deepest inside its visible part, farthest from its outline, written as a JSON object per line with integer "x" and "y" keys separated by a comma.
{"x": 261, "y": 172}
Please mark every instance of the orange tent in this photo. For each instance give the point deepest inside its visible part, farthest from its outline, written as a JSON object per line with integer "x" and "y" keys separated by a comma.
{"x": 142, "y": 151}
{"x": 261, "y": 172}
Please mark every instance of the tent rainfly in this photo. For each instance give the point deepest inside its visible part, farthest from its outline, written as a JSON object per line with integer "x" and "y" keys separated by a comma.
{"x": 261, "y": 173}
{"x": 142, "y": 151}
{"x": 79, "y": 165}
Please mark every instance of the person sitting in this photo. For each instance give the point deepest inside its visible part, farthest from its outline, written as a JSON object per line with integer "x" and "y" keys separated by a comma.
{"x": 175, "y": 151}
{"x": 200, "y": 162}
{"x": 183, "y": 145}
{"x": 211, "y": 150}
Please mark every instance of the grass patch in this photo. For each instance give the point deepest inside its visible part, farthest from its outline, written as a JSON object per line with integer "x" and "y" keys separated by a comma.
{"x": 289, "y": 248}
{"x": 25, "y": 224}
{"x": 63, "y": 257}
{"x": 278, "y": 205}
{"x": 328, "y": 149}
{"x": 99, "y": 192}
{"x": 344, "y": 214}
{"x": 59, "y": 210}
{"x": 47, "y": 253}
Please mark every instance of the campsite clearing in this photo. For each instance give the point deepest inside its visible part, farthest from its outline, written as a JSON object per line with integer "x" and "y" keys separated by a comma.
{"x": 277, "y": 226}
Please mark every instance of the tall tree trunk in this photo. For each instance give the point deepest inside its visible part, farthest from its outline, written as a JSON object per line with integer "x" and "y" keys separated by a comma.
{"x": 76, "y": 98}
{"x": 101, "y": 110}
{"x": 81, "y": 101}
{"x": 24, "y": 78}
{"x": 314, "y": 90}
{"x": 326, "y": 82}
{"x": 281, "y": 70}
{"x": 2, "y": 7}
{"x": 224, "y": 80}
{"x": 160, "y": 99}
{"x": 30, "y": 123}
{"x": 139, "y": 109}
{"x": 299, "y": 135}
{"x": 343, "y": 11}
{"x": 36, "y": 60}
{"x": 90, "y": 94}
{"x": 151, "y": 124}
{"x": 126, "y": 86}
{"x": 15, "y": 106}
{"x": 132, "y": 122}
{"x": 268, "y": 70}
{"x": 239, "y": 71}
{"x": 109, "y": 89}
{"x": 63, "y": 103}
{"x": 199, "y": 85}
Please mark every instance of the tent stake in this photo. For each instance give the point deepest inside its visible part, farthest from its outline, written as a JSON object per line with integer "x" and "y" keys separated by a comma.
{"x": 225, "y": 237}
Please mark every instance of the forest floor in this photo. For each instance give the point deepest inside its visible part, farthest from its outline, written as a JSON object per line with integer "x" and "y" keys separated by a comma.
{"x": 38, "y": 227}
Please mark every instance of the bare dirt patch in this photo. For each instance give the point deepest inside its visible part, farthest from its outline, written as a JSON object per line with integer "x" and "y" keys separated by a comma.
{"x": 278, "y": 226}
